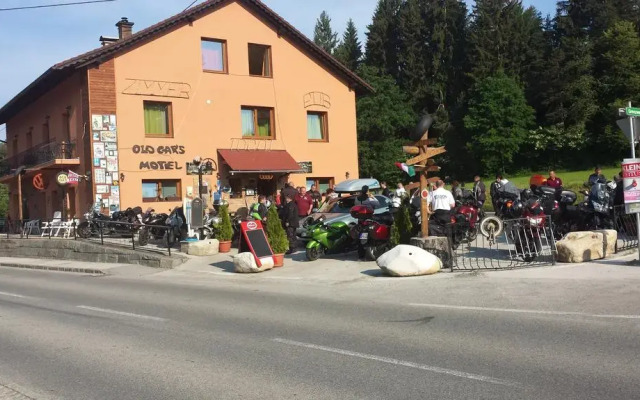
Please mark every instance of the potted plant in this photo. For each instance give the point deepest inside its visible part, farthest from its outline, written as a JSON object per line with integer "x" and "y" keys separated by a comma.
{"x": 277, "y": 237}
{"x": 225, "y": 232}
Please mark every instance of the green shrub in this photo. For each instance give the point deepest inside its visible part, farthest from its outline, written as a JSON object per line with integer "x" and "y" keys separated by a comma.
{"x": 275, "y": 232}
{"x": 225, "y": 232}
{"x": 402, "y": 228}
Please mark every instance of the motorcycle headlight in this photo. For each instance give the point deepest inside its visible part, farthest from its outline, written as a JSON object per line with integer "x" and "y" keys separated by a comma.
{"x": 536, "y": 222}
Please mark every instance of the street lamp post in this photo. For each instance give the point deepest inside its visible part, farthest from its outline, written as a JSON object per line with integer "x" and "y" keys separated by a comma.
{"x": 203, "y": 165}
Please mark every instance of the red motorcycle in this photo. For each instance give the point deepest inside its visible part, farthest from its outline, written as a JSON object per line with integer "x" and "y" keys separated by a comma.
{"x": 527, "y": 233}
{"x": 465, "y": 221}
{"x": 372, "y": 233}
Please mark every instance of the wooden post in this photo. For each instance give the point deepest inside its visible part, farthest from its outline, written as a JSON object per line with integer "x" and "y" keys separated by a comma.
{"x": 20, "y": 211}
{"x": 424, "y": 185}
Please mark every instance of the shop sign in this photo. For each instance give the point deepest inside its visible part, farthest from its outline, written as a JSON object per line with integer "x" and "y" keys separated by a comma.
{"x": 73, "y": 178}
{"x": 39, "y": 182}
{"x": 265, "y": 177}
{"x": 306, "y": 167}
{"x": 631, "y": 184}
{"x": 62, "y": 178}
{"x": 192, "y": 169}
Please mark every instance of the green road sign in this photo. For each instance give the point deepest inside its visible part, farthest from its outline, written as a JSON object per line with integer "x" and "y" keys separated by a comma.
{"x": 633, "y": 112}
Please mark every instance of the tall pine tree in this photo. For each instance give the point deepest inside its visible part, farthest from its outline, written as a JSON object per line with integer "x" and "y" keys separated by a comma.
{"x": 349, "y": 52}
{"x": 382, "y": 47}
{"x": 323, "y": 35}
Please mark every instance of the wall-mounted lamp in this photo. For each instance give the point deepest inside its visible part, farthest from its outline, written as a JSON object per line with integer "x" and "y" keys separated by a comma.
{"x": 121, "y": 177}
{"x": 346, "y": 175}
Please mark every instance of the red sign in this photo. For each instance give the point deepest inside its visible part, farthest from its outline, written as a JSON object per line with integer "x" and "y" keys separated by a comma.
{"x": 73, "y": 178}
{"x": 254, "y": 240}
{"x": 424, "y": 194}
{"x": 38, "y": 182}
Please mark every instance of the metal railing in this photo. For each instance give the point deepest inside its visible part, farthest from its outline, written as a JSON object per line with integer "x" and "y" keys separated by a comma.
{"x": 103, "y": 232}
{"x": 519, "y": 245}
{"x": 37, "y": 155}
{"x": 627, "y": 228}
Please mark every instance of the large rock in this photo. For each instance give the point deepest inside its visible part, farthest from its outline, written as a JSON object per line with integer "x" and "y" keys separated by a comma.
{"x": 207, "y": 247}
{"x": 579, "y": 247}
{"x": 245, "y": 263}
{"x": 406, "y": 260}
{"x": 436, "y": 245}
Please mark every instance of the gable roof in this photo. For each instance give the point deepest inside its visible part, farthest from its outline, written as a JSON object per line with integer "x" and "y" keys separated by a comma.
{"x": 64, "y": 69}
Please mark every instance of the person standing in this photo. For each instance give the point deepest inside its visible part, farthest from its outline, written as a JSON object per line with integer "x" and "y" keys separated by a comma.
{"x": 385, "y": 190}
{"x": 289, "y": 190}
{"x": 259, "y": 210}
{"x": 479, "y": 191}
{"x": 367, "y": 199}
{"x": 553, "y": 181}
{"x": 400, "y": 192}
{"x": 290, "y": 221}
{"x": 597, "y": 177}
{"x": 441, "y": 202}
{"x": 456, "y": 190}
{"x": 316, "y": 196}
{"x": 304, "y": 201}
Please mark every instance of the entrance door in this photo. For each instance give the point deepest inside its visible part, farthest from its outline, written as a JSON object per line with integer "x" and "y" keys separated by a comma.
{"x": 267, "y": 187}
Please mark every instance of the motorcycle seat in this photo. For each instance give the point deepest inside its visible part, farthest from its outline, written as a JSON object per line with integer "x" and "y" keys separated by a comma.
{"x": 383, "y": 218}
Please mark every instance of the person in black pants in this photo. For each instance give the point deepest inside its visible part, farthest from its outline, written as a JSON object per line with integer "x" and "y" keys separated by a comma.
{"x": 290, "y": 221}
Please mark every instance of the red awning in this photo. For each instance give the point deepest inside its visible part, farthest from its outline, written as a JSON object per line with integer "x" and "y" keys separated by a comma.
{"x": 259, "y": 161}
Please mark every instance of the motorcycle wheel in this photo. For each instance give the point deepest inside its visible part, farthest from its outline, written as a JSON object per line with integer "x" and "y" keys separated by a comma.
{"x": 143, "y": 236}
{"x": 491, "y": 227}
{"x": 84, "y": 230}
{"x": 313, "y": 253}
{"x": 372, "y": 253}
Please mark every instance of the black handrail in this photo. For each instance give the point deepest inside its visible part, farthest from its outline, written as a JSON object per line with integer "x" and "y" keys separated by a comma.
{"x": 37, "y": 155}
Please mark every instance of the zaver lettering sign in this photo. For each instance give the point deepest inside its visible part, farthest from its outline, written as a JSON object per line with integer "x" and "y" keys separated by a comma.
{"x": 143, "y": 87}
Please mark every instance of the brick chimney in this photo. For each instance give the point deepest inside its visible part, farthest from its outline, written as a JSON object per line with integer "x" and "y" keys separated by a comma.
{"x": 125, "y": 28}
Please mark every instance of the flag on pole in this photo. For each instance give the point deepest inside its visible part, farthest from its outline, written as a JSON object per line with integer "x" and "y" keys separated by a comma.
{"x": 406, "y": 168}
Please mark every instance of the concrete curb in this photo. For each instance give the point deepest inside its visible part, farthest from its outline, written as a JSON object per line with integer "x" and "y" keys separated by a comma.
{"x": 91, "y": 271}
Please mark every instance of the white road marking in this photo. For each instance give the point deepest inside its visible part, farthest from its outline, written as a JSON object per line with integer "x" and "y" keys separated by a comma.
{"x": 12, "y": 295}
{"x": 402, "y": 363}
{"x": 524, "y": 311}
{"x": 126, "y": 314}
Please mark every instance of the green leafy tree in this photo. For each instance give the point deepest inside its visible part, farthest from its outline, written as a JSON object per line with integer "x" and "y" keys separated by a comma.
{"x": 225, "y": 232}
{"x": 382, "y": 45}
{"x": 349, "y": 51}
{"x": 275, "y": 232}
{"x": 498, "y": 120}
{"x": 402, "y": 228}
{"x": 323, "y": 35}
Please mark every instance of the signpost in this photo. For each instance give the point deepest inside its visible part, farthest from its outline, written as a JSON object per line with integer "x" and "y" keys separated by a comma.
{"x": 631, "y": 171}
{"x": 423, "y": 164}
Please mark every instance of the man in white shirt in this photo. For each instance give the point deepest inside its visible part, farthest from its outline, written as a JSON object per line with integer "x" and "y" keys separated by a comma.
{"x": 441, "y": 202}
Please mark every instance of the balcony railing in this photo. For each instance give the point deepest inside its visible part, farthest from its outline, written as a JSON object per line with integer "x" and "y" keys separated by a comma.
{"x": 37, "y": 155}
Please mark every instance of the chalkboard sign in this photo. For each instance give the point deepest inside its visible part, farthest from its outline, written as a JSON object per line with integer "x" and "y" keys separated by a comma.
{"x": 197, "y": 213}
{"x": 254, "y": 240}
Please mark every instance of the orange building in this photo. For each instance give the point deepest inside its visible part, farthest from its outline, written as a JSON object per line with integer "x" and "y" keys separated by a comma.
{"x": 227, "y": 80}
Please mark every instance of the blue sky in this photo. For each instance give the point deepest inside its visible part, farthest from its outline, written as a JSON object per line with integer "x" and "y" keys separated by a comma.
{"x": 33, "y": 40}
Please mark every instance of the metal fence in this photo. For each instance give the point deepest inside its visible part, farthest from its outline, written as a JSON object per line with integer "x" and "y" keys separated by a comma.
{"x": 103, "y": 232}
{"x": 627, "y": 228}
{"x": 519, "y": 245}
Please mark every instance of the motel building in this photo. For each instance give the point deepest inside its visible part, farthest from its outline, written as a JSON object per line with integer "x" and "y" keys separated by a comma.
{"x": 228, "y": 81}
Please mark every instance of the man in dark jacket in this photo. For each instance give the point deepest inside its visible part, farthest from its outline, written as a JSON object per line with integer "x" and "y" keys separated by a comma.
{"x": 290, "y": 221}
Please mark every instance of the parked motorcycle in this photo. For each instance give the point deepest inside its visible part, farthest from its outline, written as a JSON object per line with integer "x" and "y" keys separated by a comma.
{"x": 210, "y": 227}
{"x": 121, "y": 223}
{"x": 600, "y": 207}
{"x": 466, "y": 219}
{"x": 153, "y": 220}
{"x": 372, "y": 232}
{"x": 526, "y": 233}
{"x": 329, "y": 238}
{"x": 177, "y": 223}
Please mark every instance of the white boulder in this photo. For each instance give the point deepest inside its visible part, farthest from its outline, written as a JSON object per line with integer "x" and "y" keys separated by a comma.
{"x": 406, "y": 260}
{"x": 579, "y": 247}
{"x": 245, "y": 263}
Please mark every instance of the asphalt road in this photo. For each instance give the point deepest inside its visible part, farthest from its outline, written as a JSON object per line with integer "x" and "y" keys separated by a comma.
{"x": 66, "y": 336}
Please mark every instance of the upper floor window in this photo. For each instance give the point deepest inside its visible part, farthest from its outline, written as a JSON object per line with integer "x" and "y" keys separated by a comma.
{"x": 317, "y": 127}
{"x": 214, "y": 55}
{"x": 157, "y": 119}
{"x": 257, "y": 122}
{"x": 260, "y": 60}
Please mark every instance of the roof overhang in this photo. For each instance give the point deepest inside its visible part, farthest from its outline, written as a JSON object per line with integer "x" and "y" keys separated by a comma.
{"x": 259, "y": 161}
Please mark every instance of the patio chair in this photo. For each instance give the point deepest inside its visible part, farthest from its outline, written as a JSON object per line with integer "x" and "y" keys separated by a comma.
{"x": 31, "y": 227}
{"x": 67, "y": 227}
{"x": 55, "y": 223}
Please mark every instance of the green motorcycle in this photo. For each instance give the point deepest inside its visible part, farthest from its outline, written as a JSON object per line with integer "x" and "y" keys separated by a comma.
{"x": 329, "y": 238}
